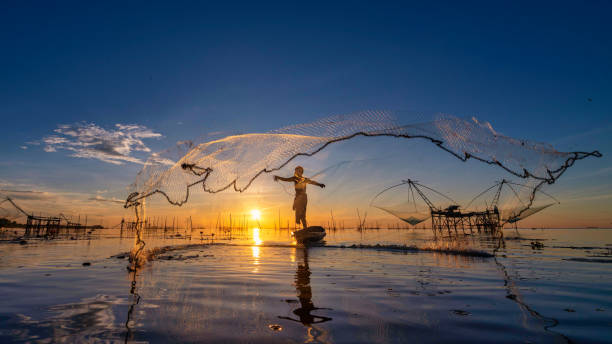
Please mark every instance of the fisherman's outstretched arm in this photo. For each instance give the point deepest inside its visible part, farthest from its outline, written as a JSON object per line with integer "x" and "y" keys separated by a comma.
{"x": 315, "y": 183}
{"x": 290, "y": 179}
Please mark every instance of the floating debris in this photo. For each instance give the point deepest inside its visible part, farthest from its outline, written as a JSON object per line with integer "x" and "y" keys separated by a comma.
{"x": 589, "y": 260}
{"x": 275, "y": 327}
{"x": 461, "y": 312}
{"x": 448, "y": 249}
{"x": 157, "y": 252}
{"x": 582, "y": 247}
{"x": 179, "y": 257}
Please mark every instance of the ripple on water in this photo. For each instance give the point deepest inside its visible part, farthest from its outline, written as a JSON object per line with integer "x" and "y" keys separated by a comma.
{"x": 381, "y": 289}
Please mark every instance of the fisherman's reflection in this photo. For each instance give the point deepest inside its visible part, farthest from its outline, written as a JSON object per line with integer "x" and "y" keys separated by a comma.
{"x": 304, "y": 294}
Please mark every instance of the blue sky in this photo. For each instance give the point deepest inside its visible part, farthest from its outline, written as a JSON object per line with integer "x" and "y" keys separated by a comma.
{"x": 188, "y": 69}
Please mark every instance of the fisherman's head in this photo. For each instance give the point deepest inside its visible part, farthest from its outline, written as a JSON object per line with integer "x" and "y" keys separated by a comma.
{"x": 298, "y": 171}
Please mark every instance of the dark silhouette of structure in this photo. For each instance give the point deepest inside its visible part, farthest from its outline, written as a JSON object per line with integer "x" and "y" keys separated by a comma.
{"x": 450, "y": 220}
{"x": 47, "y": 226}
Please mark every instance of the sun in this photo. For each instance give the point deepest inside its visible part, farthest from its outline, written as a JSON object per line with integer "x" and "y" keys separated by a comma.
{"x": 256, "y": 214}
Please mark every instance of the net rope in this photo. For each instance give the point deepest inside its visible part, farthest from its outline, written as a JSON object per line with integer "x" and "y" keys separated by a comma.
{"x": 234, "y": 162}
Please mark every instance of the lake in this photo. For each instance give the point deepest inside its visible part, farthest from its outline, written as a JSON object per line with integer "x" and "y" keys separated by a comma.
{"x": 258, "y": 285}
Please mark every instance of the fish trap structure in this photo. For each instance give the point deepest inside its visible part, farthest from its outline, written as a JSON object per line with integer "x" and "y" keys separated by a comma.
{"x": 516, "y": 208}
{"x": 47, "y": 226}
{"x": 453, "y": 220}
{"x": 37, "y": 225}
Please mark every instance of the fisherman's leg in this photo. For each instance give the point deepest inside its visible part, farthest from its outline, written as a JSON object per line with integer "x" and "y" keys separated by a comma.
{"x": 300, "y": 218}
{"x": 304, "y": 212}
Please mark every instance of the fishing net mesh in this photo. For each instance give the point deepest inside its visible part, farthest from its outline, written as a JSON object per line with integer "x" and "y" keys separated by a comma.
{"x": 234, "y": 162}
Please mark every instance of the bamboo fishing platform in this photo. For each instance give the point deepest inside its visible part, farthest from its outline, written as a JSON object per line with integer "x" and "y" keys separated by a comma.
{"x": 47, "y": 226}
{"x": 452, "y": 221}
{"x": 42, "y": 225}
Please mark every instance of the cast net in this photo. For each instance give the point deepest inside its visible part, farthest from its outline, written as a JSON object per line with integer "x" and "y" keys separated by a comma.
{"x": 234, "y": 162}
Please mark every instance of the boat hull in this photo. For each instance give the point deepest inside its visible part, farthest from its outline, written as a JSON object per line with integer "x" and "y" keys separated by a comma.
{"x": 310, "y": 234}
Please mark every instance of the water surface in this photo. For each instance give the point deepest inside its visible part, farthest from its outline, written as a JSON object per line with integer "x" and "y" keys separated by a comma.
{"x": 258, "y": 286}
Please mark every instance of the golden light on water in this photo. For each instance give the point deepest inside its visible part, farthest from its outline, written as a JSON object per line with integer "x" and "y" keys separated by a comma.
{"x": 255, "y": 259}
{"x": 256, "y": 238}
{"x": 255, "y": 248}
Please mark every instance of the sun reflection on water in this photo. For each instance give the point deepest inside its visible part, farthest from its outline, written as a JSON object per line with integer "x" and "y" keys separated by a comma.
{"x": 256, "y": 249}
{"x": 256, "y": 239}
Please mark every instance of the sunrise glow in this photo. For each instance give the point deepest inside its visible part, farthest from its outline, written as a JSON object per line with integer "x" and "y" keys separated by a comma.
{"x": 222, "y": 172}
{"x": 256, "y": 214}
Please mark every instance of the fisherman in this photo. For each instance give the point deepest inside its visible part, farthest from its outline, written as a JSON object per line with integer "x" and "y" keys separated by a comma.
{"x": 300, "y": 200}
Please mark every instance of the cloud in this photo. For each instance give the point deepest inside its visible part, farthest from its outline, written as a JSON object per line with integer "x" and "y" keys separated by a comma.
{"x": 23, "y": 191}
{"x": 87, "y": 140}
{"x": 27, "y": 194}
{"x": 8, "y": 186}
{"x": 99, "y": 198}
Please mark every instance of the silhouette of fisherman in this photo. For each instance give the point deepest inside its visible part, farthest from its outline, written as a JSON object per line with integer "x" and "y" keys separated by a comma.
{"x": 301, "y": 200}
{"x": 304, "y": 294}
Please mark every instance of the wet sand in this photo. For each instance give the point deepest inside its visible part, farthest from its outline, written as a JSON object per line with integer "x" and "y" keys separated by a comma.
{"x": 261, "y": 287}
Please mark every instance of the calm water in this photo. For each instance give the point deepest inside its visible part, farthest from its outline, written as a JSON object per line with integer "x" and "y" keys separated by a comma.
{"x": 260, "y": 287}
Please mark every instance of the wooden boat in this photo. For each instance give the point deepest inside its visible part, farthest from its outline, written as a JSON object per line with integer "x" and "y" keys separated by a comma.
{"x": 310, "y": 234}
